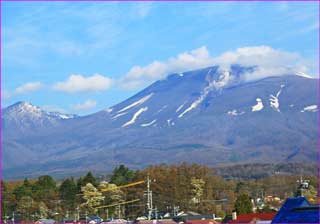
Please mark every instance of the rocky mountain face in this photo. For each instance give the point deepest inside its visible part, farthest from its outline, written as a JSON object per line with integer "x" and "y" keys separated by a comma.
{"x": 209, "y": 116}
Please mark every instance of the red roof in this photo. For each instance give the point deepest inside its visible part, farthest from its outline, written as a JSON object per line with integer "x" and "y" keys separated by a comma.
{"x": 246, "y": 218}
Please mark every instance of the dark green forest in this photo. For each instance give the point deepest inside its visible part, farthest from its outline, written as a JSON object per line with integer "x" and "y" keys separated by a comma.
{"x": 188, "y": 187}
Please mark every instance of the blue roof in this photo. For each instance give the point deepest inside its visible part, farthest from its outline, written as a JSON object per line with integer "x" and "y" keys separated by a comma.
{"x": 297, "y": 210}
{"x": 94, "y": 217}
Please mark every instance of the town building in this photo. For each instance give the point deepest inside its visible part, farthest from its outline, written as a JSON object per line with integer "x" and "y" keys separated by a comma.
{"x": 259, "y": 218}
{"x": 297, "y": 210}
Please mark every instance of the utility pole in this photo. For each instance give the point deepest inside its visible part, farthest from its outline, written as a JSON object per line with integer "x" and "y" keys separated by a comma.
{"x": 119, "y": 211}
{"x": 149, "y": 198}
{"x": 156, "y": 213}
{"x": 78, "y": 214}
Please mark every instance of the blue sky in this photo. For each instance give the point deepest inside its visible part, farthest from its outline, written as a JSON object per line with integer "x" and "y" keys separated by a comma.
{"x": 81, "y": 57}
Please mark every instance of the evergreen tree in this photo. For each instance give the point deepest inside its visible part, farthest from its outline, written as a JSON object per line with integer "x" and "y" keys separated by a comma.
{"x": 122, "y": 175}
{"x": 243, "y": 204}
{"x": 68, "y": 193}
{"x": 89, "y": 178}
{"x": 23, "y": 190}
{"x": 46, "y": 182}
{"x": 45, "y": 190}
{"x": 79, "y": 184}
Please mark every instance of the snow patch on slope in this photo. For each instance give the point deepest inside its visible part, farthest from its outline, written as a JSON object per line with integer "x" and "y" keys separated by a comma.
{"x": 162, "y": 108}
{"x": 119, "y": 115}
{"x": 235, "y": 113}
{"x": 27, "y": 108}
{"x": 170, "y": 122}
{"x": 149, "y": 124}
{"x": 302, "y": 74}
{"x": 311, "y": 108}
{"x": 223, "y": 80}
{"x": 203, "y": 95}
{"x": 180, "y": 107}
{"x": 274, "y": 100}
{"x": 66, "y": 116}
{"x": 138, "y": 102}
{"x": 258, "y": 106}
{"x": 135, "y": 116}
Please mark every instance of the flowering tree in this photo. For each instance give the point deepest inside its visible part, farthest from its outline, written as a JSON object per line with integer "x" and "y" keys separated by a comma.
{"x": 92, "y": 198}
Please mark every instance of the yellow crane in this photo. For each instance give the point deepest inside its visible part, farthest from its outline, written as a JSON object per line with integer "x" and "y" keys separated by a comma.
{"x": 118, "y": 204}
{"x": 123, "y": 186}
{"x": 120, "y": 187}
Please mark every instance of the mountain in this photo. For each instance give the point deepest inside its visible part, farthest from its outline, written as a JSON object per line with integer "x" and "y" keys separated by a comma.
{"x": 209, "y": 116}
{"x": 23, "y": 118}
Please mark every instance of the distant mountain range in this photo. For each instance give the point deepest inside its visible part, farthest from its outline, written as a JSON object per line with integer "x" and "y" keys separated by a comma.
{"x": 206, "y": 116}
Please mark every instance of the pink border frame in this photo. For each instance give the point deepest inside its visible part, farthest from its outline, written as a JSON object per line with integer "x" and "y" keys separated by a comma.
{"x": 151, "y": 1}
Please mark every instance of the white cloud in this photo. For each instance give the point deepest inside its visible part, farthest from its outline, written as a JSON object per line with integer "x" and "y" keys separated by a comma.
{"x": 28, "y": 87}
{"x": 79, "y": 83}
{"x": 23, "y": 89}
{"x": 139, "y": 76}
{"x": 269, "y": 62}
{"x": 88, "y": 104}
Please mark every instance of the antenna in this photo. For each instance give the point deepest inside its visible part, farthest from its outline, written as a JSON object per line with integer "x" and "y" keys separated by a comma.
{"x": 303, "y": 185}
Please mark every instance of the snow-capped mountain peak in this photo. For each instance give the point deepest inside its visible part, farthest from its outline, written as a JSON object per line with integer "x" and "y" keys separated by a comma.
{"x": 24, "y": 108}
{"x": 21, "y": 109}
{"x": 26, "y": 118}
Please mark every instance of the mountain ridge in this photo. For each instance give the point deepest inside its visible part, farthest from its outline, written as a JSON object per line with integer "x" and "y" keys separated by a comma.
{"x": 206, "y": 116}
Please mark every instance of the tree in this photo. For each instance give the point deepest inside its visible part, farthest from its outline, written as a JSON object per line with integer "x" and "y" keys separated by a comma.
{"x": 122, "y": 175}
{"x": 311, "y": 194}
{"x": 67, "y": 193}
{"x": 4, "y": 193}
{"x": 43, "y": 210}
{"x": 89, "y": 178}
{"x": 27, "y": 183}
{"x": 112, "y": 195}
{"x": 92, "y": 198}
{"x": 112, "y": 192}
{"x": 23, "y": 190}
{"x": 243, "y": 204}
{"x": 79, "y": 184}
{"x": 45, "y": 189}
{"x": 26, "y": 207}
{"x": 197, "y": 189}
{"x": 47, "y": 182}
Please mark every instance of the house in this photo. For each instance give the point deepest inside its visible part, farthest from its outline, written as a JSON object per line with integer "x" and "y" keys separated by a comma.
{"x": 260, "y": 218}
{"x": 297, "y": 210}
{"x": 192, "y": 217}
